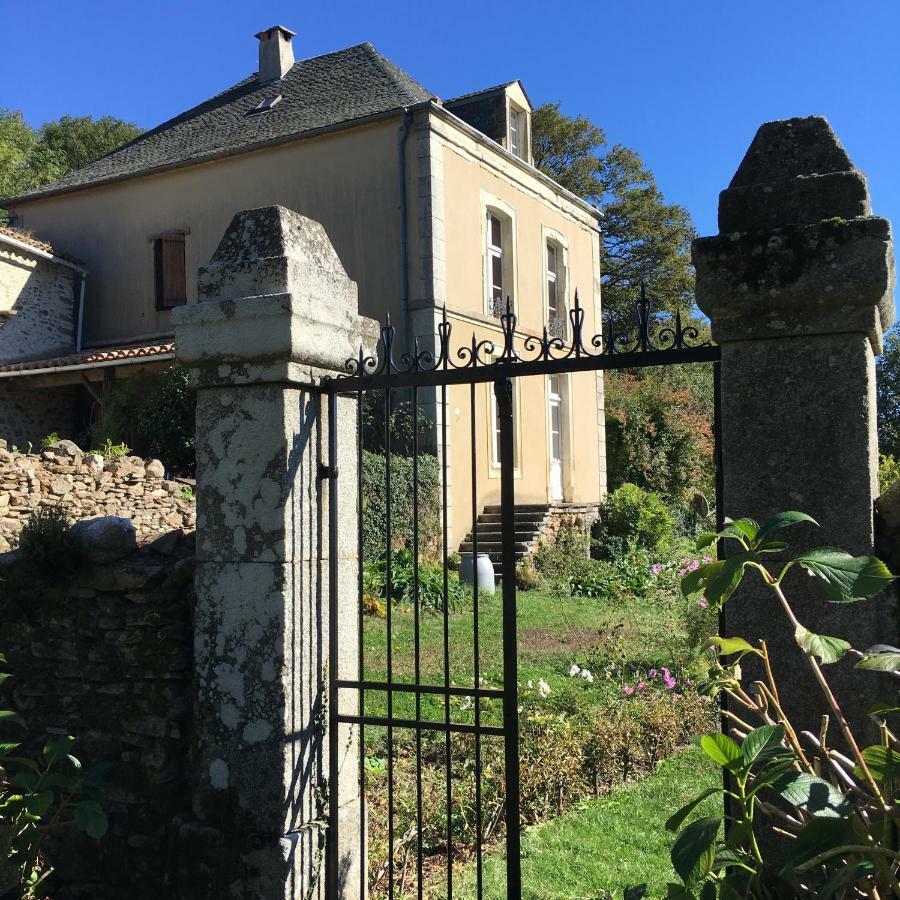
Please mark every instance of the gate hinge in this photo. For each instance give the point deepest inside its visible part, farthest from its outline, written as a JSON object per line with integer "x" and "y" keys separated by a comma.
{"x": 327, "y": 471}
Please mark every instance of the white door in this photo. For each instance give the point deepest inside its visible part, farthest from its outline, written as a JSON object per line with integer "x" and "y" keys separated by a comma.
{"x": 554, "y": 400}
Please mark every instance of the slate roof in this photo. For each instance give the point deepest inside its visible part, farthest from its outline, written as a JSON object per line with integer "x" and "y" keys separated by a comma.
{"x": 316, "y": 93}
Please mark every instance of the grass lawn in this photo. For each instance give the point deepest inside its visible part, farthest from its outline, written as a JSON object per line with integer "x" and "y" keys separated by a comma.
{"x": 608, "y": 844}
{"x": 553, "y": 632}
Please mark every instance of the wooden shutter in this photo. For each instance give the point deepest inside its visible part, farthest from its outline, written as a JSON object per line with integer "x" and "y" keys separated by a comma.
{"x": 169, "y": 271}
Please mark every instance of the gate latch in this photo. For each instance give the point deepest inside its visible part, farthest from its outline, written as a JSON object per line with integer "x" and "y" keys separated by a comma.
{"x": 327, "y": 471}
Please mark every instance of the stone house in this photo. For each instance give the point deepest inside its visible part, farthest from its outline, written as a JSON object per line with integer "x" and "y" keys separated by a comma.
{"x": 430, "y": 203}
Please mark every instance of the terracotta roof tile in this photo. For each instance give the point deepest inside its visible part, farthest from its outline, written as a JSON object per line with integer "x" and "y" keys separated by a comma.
{"x": 87, "y": 357}
{"x": 32, "y": 241}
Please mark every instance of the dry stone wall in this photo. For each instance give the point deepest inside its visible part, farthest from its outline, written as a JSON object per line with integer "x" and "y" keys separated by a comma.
{"x": 106, "y": 656}
{"x": 86, "y": 485}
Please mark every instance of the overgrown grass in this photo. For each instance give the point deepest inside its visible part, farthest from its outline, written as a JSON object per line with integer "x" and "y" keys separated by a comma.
{"x": 606, "y": 845}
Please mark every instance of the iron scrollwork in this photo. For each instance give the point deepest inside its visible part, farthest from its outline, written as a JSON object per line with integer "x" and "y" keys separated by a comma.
{"x": 550, "y": 346}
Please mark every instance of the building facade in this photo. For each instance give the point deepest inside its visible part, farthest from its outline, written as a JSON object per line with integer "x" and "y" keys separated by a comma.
{"x": 431, "y": 205}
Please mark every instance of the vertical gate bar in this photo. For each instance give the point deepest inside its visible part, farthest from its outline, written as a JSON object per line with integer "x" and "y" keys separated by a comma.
{"x": 448, "y": 748}
{"x": 333, "y": 795}
{"x": 503, "y": 388}
{"x": 720, "y": 545}
{"x": 360, "y": 650}
{"x": 476, "y": 674}
{"x": 390, "y": 648}
{"x": 416, "y": 644}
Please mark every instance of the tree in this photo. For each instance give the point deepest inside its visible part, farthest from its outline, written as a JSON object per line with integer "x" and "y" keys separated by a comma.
{"x": 17, "y": 142}
{"x": 29, "y": 158}
{"x": 888, "y": 381}
{"x": 645, "y": 239}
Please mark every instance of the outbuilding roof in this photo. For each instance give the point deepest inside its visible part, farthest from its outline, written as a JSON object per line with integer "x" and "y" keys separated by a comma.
{"x": 315, "y": 93}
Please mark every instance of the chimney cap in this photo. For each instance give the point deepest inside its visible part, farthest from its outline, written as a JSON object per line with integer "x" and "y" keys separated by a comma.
{"x": 266, "y": 32}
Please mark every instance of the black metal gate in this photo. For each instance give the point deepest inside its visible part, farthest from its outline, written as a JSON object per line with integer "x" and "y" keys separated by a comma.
{"x": 429, "y": 372}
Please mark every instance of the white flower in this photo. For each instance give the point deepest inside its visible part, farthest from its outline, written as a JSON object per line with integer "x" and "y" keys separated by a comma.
{"x": 574, "y": 670}
{"x": 543, "y": 687}
{"x": 530, "y": 684}
{"x": 587, "y": 675}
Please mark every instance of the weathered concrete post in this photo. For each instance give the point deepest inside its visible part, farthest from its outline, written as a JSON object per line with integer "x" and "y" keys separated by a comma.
{"x": 798, "y": 285}
{"x": 277, "y": 312}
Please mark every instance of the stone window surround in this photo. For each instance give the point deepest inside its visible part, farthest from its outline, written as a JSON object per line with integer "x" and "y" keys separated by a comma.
{"x": 507, "y": 216}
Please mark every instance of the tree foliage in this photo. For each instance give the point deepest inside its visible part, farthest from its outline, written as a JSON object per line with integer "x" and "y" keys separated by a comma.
{"x": 30, "y": 158}
{"x": 645, "y": 239}
{"x": 888, "y": 373}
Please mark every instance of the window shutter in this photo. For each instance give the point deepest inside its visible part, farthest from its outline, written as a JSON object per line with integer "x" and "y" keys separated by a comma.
{"x": 169, "y": 271}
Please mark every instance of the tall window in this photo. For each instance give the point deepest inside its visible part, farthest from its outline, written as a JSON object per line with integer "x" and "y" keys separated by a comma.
{"x": 517, "y": 136}
{"x": 556, "y": 307}
{"x": 495, "y": 428}
{"x": 169, "y": 271}
{"x": 495, "y": 264}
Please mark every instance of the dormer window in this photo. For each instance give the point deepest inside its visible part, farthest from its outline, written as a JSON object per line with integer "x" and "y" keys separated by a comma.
{"x": 517, "y": 132}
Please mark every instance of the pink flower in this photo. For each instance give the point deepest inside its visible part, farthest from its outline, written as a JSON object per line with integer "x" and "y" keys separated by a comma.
{"x": 707, "y": 559}
{"x": 704, "y": 603}
{"x": 676, "y": 696}
{"x": 652, "y": 673}
{"x": 641, "y": 685}
{"x": 656, "y": 568}
{"x": 628, "y": 689}
{"x": 669, "y": 681}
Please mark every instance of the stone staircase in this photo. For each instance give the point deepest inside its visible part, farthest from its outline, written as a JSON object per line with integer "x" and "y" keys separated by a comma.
{"x": 530, "y": 518}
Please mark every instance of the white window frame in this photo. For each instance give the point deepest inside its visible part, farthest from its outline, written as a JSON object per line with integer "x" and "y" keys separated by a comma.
{"x": 494, "y": 206}
{"x": 566, "y": 434}
{"x": 521, "y": 148}
{"x": 495, "y": 430}
{"x": 550, "y": 237}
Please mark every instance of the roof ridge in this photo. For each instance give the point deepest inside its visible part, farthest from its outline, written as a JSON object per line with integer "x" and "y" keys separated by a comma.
{"x": 392, "y": 70}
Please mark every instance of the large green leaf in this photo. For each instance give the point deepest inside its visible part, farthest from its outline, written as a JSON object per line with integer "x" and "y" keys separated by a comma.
{"x": 57, "y": 747}
{"x": 813, "y": 795}
{"x": 694, "y": 850}
{"x": 693, "y": 581}
{"x": 760, "y": 742}
{"x": 881, "y": 658}
{"x": 722, "y": 584}
{"x": 706, "y": 539}
{"x": 38, "y": 804}
{"x": 782, "y": 520}
{"x": 746, "y": 528}
{"x": 8, "y": 715}
{"x": 842, "y": 578}
{"x": 883, "y": 763}
{"x": 828, "y": 649}
{"x": 90, "y": 818}
{"x": 843, "y": 878}
{"x": 817, "y": 836}
{"x": 879, "y": 709}
{"x": 673, "y": 823}
{"x": 729, "y": 645}
{"x": 678, "y": 892}
{"x": 722, "y": 749}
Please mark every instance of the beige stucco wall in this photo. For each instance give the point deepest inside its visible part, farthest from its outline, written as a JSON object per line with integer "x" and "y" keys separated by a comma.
{"x": 37, "y": 302}
{"x": 464, "y": 177}
{"x": 346, "y": 180}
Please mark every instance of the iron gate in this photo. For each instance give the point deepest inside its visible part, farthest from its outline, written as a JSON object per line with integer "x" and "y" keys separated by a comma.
{"x": 418, "y": 372}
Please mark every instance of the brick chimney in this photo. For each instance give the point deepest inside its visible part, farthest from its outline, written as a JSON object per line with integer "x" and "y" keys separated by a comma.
{"x": 276, "y": 55}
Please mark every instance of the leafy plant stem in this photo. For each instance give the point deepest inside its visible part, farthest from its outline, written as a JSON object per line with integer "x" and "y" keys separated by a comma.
{"x": 847, "y": 848}
{"x": 830, "y": 698}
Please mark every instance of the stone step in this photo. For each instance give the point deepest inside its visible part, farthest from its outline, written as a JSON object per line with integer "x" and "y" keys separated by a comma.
{"x": 520, "y": 507}
{"x": 492, "y": 547}
{"x": 519, "y": 518}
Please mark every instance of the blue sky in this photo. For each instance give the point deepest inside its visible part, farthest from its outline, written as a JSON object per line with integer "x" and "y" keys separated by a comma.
{"x": 684, "y": 83}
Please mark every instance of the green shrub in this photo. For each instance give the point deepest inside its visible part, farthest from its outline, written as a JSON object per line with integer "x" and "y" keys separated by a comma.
{"x": 627, "y": 575}
{"x": 431, "y": 582}
{"x": 375, "y": 504}
{"x": 50, "y": 440}
{"x": 47, "y": 547}
{"x": 567, "y": 558}
{"x": 153, "y": 413}
{"x": 109, "y": 450}
{"x": 633, "y": 514}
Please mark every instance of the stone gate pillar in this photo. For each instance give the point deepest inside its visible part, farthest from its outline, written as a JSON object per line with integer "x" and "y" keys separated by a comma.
{"x": 277, "y": 312}
{"x": 798, "y": 285}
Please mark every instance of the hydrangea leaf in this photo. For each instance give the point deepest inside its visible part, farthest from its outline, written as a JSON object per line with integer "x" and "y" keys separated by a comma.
{"x": 729, "y": 645}
{"x": 881, "y": 658}
{"x": 842, "y": 578}
{"x": 760, "y": 742}
{"x": 721, "y": 749}
{"x": 674, "y": 822}
{"x": 828, "y": 649}
{"x": 813, "y": 795}
{"x": 883, "y": 763}
{"x": 694, "y": 850}
{"x": 782, "y": 520}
